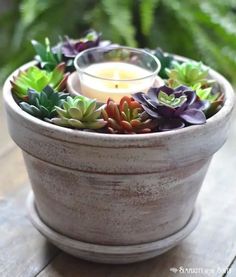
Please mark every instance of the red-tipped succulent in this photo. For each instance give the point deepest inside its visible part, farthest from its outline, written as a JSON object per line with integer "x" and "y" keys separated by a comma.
{"x": 127, "y": 117}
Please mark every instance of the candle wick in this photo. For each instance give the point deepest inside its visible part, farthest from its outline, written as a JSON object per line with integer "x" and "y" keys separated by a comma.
{"x": 116, "y": 85}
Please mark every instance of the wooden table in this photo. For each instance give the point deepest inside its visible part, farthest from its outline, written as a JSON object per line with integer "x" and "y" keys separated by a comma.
{"x": 209, "y": 250}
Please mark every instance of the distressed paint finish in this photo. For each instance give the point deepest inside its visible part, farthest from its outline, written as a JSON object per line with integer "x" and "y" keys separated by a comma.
{"x": 107, "y": 253}
{"x": 117, "y": 189}
{"x": 114, "y": 209}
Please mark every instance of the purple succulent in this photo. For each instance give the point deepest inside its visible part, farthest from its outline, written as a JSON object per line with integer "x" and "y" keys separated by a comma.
{"x": 70, "y": 48}
{"x": 174, "y": 108}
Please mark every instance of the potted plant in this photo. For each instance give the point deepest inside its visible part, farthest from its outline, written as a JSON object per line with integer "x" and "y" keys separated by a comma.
{"x": 117, "y": 183}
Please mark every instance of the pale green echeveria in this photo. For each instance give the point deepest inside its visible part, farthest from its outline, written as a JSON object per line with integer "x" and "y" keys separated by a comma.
{"x": 79, "y": 112}
{"x": 188, "y": 73}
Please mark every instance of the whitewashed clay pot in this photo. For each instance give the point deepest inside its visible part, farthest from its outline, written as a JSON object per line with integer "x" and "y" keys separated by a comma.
{"x": 116, "y": 198}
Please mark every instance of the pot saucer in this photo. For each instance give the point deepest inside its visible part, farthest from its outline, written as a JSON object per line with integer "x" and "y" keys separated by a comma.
{"x": 106, "y": 253}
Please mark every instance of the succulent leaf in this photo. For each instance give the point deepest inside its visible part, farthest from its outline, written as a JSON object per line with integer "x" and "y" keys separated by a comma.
{"x": 79, "y": 112}
{"x": 166, "y": 61}
{"x": 45, "y": 56}
{"x": 205, "y": 93}
{"x": 212, "y": 95}
{"x": 171, "y": 100}
{"x": 75, "y": 113}
{"x": 193, "y": 116}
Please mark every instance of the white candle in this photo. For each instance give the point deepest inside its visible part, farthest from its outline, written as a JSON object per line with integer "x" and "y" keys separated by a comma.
{"x": 114, "y": 80}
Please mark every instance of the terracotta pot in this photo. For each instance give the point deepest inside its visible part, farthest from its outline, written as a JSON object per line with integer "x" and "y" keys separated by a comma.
{"x": 116, "y": 198}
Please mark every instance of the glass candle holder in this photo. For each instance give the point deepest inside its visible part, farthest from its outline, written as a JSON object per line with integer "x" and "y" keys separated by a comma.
{"x": 115, "y": 71}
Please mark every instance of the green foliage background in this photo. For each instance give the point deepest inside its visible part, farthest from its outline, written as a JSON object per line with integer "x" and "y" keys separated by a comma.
{"x": 200, "y": 29}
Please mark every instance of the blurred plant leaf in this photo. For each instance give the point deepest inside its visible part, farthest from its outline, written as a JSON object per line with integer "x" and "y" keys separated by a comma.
{"x": 120, "y": 18}
{"x": 202, "y": 30}
{"x": 147, "y": 13}
{"x": 31, "y": 9}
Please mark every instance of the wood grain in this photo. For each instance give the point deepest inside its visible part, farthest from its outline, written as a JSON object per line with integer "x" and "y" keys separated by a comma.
{"x": 13, "y": 173}
{"x": 24, "y": 252}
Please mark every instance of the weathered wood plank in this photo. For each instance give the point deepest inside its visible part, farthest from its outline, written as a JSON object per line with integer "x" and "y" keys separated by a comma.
{"x": 12, "y": 172}
{"x": 24, "y": 252}
{"x": 210, "y": 248}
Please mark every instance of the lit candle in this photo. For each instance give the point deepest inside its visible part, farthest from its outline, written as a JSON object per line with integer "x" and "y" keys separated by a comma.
{"x": 115, "y": 79}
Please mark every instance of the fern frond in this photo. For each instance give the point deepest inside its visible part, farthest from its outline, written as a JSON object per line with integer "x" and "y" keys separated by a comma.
{"x": 120, "y": 18}
{"x": 147, "y": 12}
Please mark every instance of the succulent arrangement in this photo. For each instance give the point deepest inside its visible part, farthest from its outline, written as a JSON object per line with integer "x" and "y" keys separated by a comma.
{"x": 189, "y": 96}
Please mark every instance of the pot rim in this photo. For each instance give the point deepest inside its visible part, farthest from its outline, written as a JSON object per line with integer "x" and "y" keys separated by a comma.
{"x": 91, "y": 138}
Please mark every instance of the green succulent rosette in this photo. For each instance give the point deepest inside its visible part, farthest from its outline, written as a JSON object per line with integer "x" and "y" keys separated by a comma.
{"x": 188, "y": 73}
{"x": 37, "y": 79}
{"x": 42, "y": 105}
{"x": 79, "y": 112}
